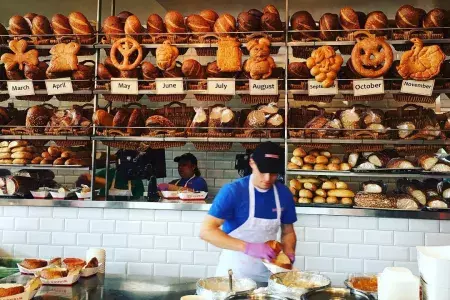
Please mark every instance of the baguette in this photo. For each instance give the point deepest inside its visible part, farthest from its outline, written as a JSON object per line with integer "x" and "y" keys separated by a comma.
{"x": 319, "y": 199}
{"x": 19, "y": 143}
{"x": 20, "y": 161}
{"x": 328, "y": 185}
{"x": 310, "y": 186}
{"x": 321, "y": 192}
{"x": 22, "y": 155}
{"x": 5, "y": 155}
{"x": 304, "y": 200}
{"x": 5, "y": 150}
{"x": 6, "y": 161}
{"x": 341, "y": 185}
{"x": 303, "y": 193}
{"x": 310, "y": 180}
{"x": 24, "y": 149}
{"x": 4, "y": 144}
{"x": 332, "y": 200}
{"x": 341, "y": 193}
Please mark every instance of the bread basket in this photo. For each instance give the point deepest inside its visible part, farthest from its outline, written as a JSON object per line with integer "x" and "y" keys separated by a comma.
{"x": 204, "y": 39}
{"x": 82, "y": 85}
{"x": 257, "y": 35}
{"x": 299, "y": 117}
{"x": 303, "y": 86}
{"x": 407, "y": 35}
{"x": 242, "y": 84}
{"x": 202, "y": 86}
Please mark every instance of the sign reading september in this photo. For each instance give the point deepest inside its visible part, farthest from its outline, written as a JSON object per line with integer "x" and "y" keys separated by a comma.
{"x": 423, "y": 88}
{"x": 315, "y": 88}
{"x": 20, "y": 87}
{"x": 263, "y": 87}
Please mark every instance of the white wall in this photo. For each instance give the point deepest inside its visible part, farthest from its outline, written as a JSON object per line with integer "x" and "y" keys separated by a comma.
{"x": 162, "y": 242}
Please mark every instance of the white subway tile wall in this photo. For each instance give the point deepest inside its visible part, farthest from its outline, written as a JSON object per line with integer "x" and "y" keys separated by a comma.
{"x": 166, "y": 242}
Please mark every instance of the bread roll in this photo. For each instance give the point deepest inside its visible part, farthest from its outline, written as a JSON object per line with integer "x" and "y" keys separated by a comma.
{"x": 341, "y": 185}
{"x": 347, "y": 201}
{"x": 295, "y": 184}
{"x": 20, "y": 161}
{"x": 310, "y": 186}
{"x": 210, "y": 16}
{"x": 80, "y": 25}
{"x": 303, "y": 193}
{"x": 314, "y": 153}
{"x": 53, "y": 273}
{"x": 327, "y": 23}
{"x": 19, "y": 26}
{"x": 321, "y": 192}
{"x": 22, "y": 155}
{"x": 5, "y": 150}
{"x": 123, "y": 16}
{"x": 321, "y": 160}
{"x": 6, "y": 161}
{"x": 19, "y": 143}
{"x": 332, "y": 200}
{"x": 377, "y": 20}
{"x": 247, "y": 22}
{"x": 197, "y": 23}
{"x": 270, "y": 9}
{"x": 59, "y": 161}
{"x": 304, "y": 22}
{"x": 5, "y": 155}
{"x": 133, "y": 28}
{"x": 435, "y": 18}
{"x": 61, "y": 25}
{"x": 224, "y": 24}
{"x": 328, "y": 185}
{"x": 113, "y": 28}
{"x": 271, "y": 22}
{"x": 341, "y": 193}
{"x": 29, "y": 17}
{"x": 47, "y": 161}
{"x": 174, "y": 22}
{"x": 155, "y": 25}
{"x": 335, "y": 160}
{"x": 255, "y": 12}
{"x": 41, "y": 26}
{"x": 4, "y": 144}
{"x": 309, "y": 159}
{"x": 299, "y": 152}
{"x": 310, "y": 179}
{"x": 333, "y": 167}
{"x": 318, "y": 199}
{"x": 320, "y": 167}
{"x": 24, "y": 149}
{"x": 345, "y": 167}
{"x": 55, "y": 151}
{"x": 292, "y": 166}
{"x": 192, "y": 69}
{"x": 297, "y": 160}
{"x": 348, "y": 19}
{"x": 37, "y": 160}
{"x": 408, "y": 16}
{"x": 304, "y": 200}
{"x": 307, "y": 167}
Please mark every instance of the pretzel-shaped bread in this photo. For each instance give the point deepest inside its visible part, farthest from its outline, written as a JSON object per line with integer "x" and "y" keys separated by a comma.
{"x": 126, "y": 47}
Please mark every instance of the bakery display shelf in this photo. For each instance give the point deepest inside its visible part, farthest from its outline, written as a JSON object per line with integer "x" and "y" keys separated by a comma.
{"x": 44, "y": 92}
{"x": 32, "y": 46}
{"x": 186, "y": 92}
{"x": 186, "y": 139}
{"x": 45, "y": 167}
{"x": 323, "y": 205}
{"x": 373, "y": 173}
{"x": 186, "y": 45}
{"x": 349, "y": 43}
{"x": 350, "y": 92}
{"x": 45, "y": 137}
{"x": 366, "y": 141}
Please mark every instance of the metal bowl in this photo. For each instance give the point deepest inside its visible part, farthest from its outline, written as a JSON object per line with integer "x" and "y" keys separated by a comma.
{"x": 217, "y": 288}
{"x": 256, "y": 296}
{"x": 336, "y": 294}
{"x": 294, "y": 284}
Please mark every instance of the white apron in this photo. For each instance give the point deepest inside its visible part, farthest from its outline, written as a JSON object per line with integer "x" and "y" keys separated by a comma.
{"x": 185, "y": 185}
{"x": 254, "y": 230}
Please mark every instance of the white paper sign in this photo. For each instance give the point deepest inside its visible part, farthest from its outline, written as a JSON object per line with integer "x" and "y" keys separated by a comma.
{"x": 169, "y": 86}
{"x": 59, "y": 86}
{"x": 221, "y": 86}
{"x": 20, "y": 87}
{"x": 316, "y": 89}
{"x": 364, "y": 87}
{"x": 124, "y": 86}
{"x": 424, "y": 88}
{"x": 263, "y": 87}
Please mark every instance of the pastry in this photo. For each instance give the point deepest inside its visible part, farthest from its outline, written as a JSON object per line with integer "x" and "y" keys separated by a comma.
{"x": 224, "y": 24}
{"x": 305, "y": 24}
{"x": 53, "y": 273}
{"x": 229, "y": 54}
{"x": 71, "y": 263}
{"x": 166, "y": 56}
{"x": 260, "y": 64}
{"x": 255, "y": 119}
{"x": 372, "y": 57}
{"x": 127, "y": 48}
{"x": 20, "y": 56}
{"x": 64, "y": 57}
{"x": 324, "y": 64}
{"x": 421, "y": 63}
{"x": 328, "y": 25}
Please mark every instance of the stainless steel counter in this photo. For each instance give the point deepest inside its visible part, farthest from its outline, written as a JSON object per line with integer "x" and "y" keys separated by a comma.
{"x": 335, "y": 211}
{"x": 113, "y": 287}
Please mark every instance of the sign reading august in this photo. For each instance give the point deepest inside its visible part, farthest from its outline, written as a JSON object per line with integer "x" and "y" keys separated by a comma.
{"x": 263, "y": 87}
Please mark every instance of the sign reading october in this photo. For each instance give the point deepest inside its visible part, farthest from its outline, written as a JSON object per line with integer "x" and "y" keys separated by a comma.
{"x": 124, "y": 86}
{"x": 166, "y": 86}
{"x": 20, "y": 87}
{"x": 363, "y": 87}
{"x": 263, "y": 87}
{"x": 59, "y": 86}
{"x": 316, "y": 89}
{"x": 221, "y": 86}
{"x": 423, "y": 88}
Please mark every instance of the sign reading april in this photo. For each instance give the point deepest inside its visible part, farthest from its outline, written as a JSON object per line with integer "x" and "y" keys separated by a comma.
{"x": 59, "y": 86}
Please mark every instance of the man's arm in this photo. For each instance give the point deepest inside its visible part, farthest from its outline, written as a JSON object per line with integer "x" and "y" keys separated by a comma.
{"x": 211, "y": 232}
{"x": 288, "y": 239}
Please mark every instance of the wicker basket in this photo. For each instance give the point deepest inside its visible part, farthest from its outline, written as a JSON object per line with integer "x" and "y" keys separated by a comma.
{"x": 416, "y": 150}
{"x": 255, "y": 99}
{"x": 202, "y": 86}
{"x": 127, "y": 145}
{"x": 205, "y": 39}
{"x": 303, "y": 85}
{"x": 117, "y": 97}
{"x": 313, "y": 146}
{"x": 365, "y": 135}
{"x": 245, "y": 38}
{"x": 414, "y": 33}
{"x": 353, "y": 148}
{"x": 351, "y": 97}
{"x": 411, "y": 98}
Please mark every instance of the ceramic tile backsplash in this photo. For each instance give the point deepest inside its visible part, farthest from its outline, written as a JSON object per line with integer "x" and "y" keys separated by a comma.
{"x": 166, "y": 242}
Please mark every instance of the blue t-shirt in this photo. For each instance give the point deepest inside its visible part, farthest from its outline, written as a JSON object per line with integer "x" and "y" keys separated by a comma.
{"x": 232, "y": 204}
{"x": 197, "y": 183}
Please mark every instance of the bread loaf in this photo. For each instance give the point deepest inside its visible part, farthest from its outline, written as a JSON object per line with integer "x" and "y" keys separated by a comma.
{"x": 303, "y": 21}
{"x": 80, "y": 25}
{"x": 19, "y": 26}
{"x": 174, "y": 22}
{"x": 255, "y": 119}
{"x": 341, "y": 193}
{"x": 55, "y": 151}
{"x": 11, "y": 289}
{"x": 348, "y": 19}
{"x": 210, "y": 16}
{"x": 328, "y": 22}
{"x": 298, "y": 70}
{"x": 29, "y": 17}
{"x": 113, "y": 28}
{"x": 192, "y": 69}
{"x": 123, "y": 16}
{"x": 248, "y": 22}
{"x": 158, "y": 121}
{"x": 377, "y": 20}
{"x": 53, "y": 273}
{"x": 136, "y": 120}
{"x": 155, "y": 25}
{"x": 22, "y": 155}
{"x": 121, "y": 118}
{"x": 271, "y": 22}
{"x": 408, "y": 16}
{"x": 37, "y": 117}
{"x": 37, "y": 160}
{"x": 197, "y": 23}
{"x": 41, "y": 26}
{"x": 15, "y": 144}
{"x": 149, "y": 71}
{"x": 399, "y": 163}
{"x": 133, "y": 28}
{"x": 61, "y": 25}
{"x": 255, "y": 12}
{"x": 102, "y": 118}
{"x": 275, "y": 121}
{"x": 224, "y": 24}
{"x": 435, "y": 18}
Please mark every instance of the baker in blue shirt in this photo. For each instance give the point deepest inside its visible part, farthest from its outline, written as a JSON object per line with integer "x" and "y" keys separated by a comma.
{"x": 251, "y": 211}
{"x": 190, "y": 180}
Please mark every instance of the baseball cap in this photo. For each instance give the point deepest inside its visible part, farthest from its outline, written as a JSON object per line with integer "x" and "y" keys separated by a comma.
{"x": 269, "y": 158}
{"x": 186, "y": 157}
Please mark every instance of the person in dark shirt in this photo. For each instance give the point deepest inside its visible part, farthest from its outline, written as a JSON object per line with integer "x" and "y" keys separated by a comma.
{"x": 190, "y": 180}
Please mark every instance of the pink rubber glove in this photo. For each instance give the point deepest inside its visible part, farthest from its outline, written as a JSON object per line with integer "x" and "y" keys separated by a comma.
{"x": 291, "y": 257}
{"x": 163, "y": 186}
{"x": 260, "y": 250}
